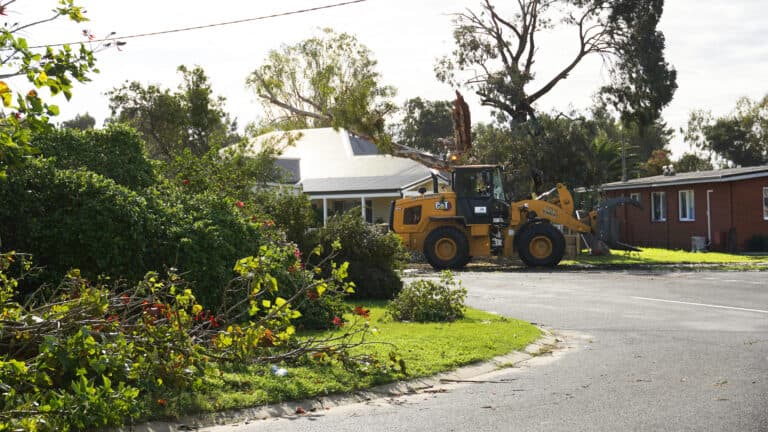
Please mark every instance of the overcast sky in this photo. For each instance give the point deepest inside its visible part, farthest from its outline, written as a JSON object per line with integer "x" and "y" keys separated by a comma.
{"x": 718, "y": 48}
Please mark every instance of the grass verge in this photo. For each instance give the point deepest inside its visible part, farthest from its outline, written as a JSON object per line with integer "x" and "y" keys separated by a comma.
{"x": 655, "y": 256}
{"x": 426, "y": 348}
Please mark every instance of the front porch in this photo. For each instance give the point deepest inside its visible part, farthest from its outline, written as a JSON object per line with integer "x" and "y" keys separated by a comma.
{"x": 374, "y": 207}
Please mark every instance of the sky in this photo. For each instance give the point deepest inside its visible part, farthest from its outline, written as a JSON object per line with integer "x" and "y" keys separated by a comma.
{"x": 718, "y": 48}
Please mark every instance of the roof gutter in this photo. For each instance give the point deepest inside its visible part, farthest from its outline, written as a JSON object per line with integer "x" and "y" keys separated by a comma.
{"x": 685, "y": 181}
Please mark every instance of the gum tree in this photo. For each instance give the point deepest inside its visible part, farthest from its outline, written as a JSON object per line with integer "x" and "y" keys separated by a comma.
{"x": 330, "y": 81}
{"x": 497, "y": 51}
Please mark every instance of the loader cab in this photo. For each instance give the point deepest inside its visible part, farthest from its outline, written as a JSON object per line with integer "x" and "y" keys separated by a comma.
{"x": 480, "y": 196}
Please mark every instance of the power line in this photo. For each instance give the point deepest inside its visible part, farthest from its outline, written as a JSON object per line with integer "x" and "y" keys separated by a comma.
{"x": 179, "y": 30}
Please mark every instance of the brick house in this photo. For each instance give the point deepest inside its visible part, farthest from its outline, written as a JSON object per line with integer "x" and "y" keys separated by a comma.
{"x": 724, "y": 208}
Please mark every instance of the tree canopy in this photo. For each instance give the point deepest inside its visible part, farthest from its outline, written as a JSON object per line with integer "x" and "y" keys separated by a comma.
{"x": 425, "y": 123}
{"x": 496, "y": 52}
{"x": 740, "y": 137}
{"x": 25, "y": 69}
{"x": 330, "y": 81}
{"x": 171, "y": 121}
{"x": 80, "y": 122}
{"x": 577, "y": 151}
{"x": 325, "y": 81}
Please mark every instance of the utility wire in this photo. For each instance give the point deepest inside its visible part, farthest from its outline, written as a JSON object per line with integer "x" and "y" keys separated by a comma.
{"x": 179, "y": 30}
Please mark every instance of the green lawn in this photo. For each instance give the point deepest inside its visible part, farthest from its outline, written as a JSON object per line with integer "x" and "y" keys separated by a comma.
{"x": 426, "y": 348}
{"x": 653, "y": 256}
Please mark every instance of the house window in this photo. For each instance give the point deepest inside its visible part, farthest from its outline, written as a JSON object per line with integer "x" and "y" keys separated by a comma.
{"x": 686, "y": 205}
{"x": 765, "y": 203}
{"x": 635, "y": 196}
{"x": 658, "y": 206}
{"x": 369, "y": 211}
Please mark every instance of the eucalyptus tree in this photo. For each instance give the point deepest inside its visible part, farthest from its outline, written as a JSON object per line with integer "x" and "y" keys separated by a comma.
{"x": 496, "y": 53}
{"x": 740, "y": 137}
{"x": 330, "y": 80}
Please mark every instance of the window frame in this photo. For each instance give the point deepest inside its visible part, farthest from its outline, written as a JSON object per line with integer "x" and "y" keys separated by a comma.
{"x": 636, "y": 196}
{"x": 369, "y": 211}
{"x": 765, "y": 202}
{"x": 662, "y": 206}
{"x": 691, "y": 205}
{"x": 412, "y": 215}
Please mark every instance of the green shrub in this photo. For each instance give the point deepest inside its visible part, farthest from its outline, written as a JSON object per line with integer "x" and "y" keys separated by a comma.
{"x": 290, "y": 210}
{"x": 374, "y": 258}
{"x": 79, "y": 219}
{"x": 116, "y": 152}
{"x": 758, "y": 243}
{"x": 318, "y": 306}
{"x": 71, "y": 219}
{"x": 202, "y": 236}
{"x": 426, "y": 300}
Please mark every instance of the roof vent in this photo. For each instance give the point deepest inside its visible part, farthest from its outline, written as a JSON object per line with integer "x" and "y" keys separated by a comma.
{"x": 668, "y": 170}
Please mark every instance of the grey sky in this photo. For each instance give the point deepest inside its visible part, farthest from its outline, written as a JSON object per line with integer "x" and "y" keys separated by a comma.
{"x": 717, "y": 47}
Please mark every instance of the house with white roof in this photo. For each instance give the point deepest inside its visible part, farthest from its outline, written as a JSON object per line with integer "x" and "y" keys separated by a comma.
{"x": 340, "y": 171}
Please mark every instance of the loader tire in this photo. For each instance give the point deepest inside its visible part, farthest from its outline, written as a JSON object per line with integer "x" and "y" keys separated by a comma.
{"x": 446, "y": 248}
{"x": 541, "y": 245}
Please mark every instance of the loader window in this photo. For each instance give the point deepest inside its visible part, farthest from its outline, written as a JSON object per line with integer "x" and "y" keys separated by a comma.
{"x": 412, "y": 215}
{"x": 498, "y": 187}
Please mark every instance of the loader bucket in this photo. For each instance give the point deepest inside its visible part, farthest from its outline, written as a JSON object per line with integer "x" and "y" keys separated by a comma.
{"x": 605, "y": 228}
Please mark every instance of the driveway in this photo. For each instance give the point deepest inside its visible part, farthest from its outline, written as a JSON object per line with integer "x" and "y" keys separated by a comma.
{"x": 640, "y": 351}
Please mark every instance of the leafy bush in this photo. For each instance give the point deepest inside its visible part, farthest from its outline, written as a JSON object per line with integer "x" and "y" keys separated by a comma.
{"x": 79, "y": 219}
{"x": 291, "y": 211}
{"x": 758, "y": 243}
{"x": 202, "y": 235}
{"x": 116, "y": 152}
{"x": 426, "y": 300}
{"x": 85, "y": 356}
{"x": 374, "y": 258}
{"x": 90, "y": 357}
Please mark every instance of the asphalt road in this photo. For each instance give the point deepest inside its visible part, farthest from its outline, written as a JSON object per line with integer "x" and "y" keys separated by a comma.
{"x": 640, "y": 351}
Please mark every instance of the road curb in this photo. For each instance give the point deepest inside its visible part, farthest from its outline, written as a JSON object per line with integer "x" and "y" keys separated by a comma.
{"x": 545, "y": 344}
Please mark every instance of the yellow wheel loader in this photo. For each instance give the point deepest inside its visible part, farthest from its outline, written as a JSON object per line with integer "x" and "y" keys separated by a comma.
{"x": 475, "y": 220}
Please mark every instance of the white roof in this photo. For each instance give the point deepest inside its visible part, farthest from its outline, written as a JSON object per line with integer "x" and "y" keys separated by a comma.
{"x": 335, "y": 160}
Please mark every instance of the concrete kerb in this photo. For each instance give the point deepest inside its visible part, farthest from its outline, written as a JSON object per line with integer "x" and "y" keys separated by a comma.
{"x": 466, "y": 374}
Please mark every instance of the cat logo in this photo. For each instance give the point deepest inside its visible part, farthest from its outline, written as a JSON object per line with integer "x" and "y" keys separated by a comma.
{"x": 443, "y": 205}
{"x": 549, "y": 211}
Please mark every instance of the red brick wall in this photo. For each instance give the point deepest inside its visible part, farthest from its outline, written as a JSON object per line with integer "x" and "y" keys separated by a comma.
{"x": 735, "y": 205}
{"x": 748, "y": 209}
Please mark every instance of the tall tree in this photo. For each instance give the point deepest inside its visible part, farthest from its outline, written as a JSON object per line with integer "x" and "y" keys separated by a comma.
{"x": 740, "y": 137}
{"x": 691, "y": 162}
{"x": 498, "y": 49}
{"x": 23, "y": 110}
{"x": 80, "y": 122}
{"x": 190, "y": 118}
{"x": 330, "y": 81}
{"x": 425, "y": 123}
{"x": 578, "y": 152}
{"x": 655, "y": 165}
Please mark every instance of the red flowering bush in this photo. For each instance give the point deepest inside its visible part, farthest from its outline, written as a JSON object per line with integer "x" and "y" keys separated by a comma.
{"x": 88, "y": 355}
